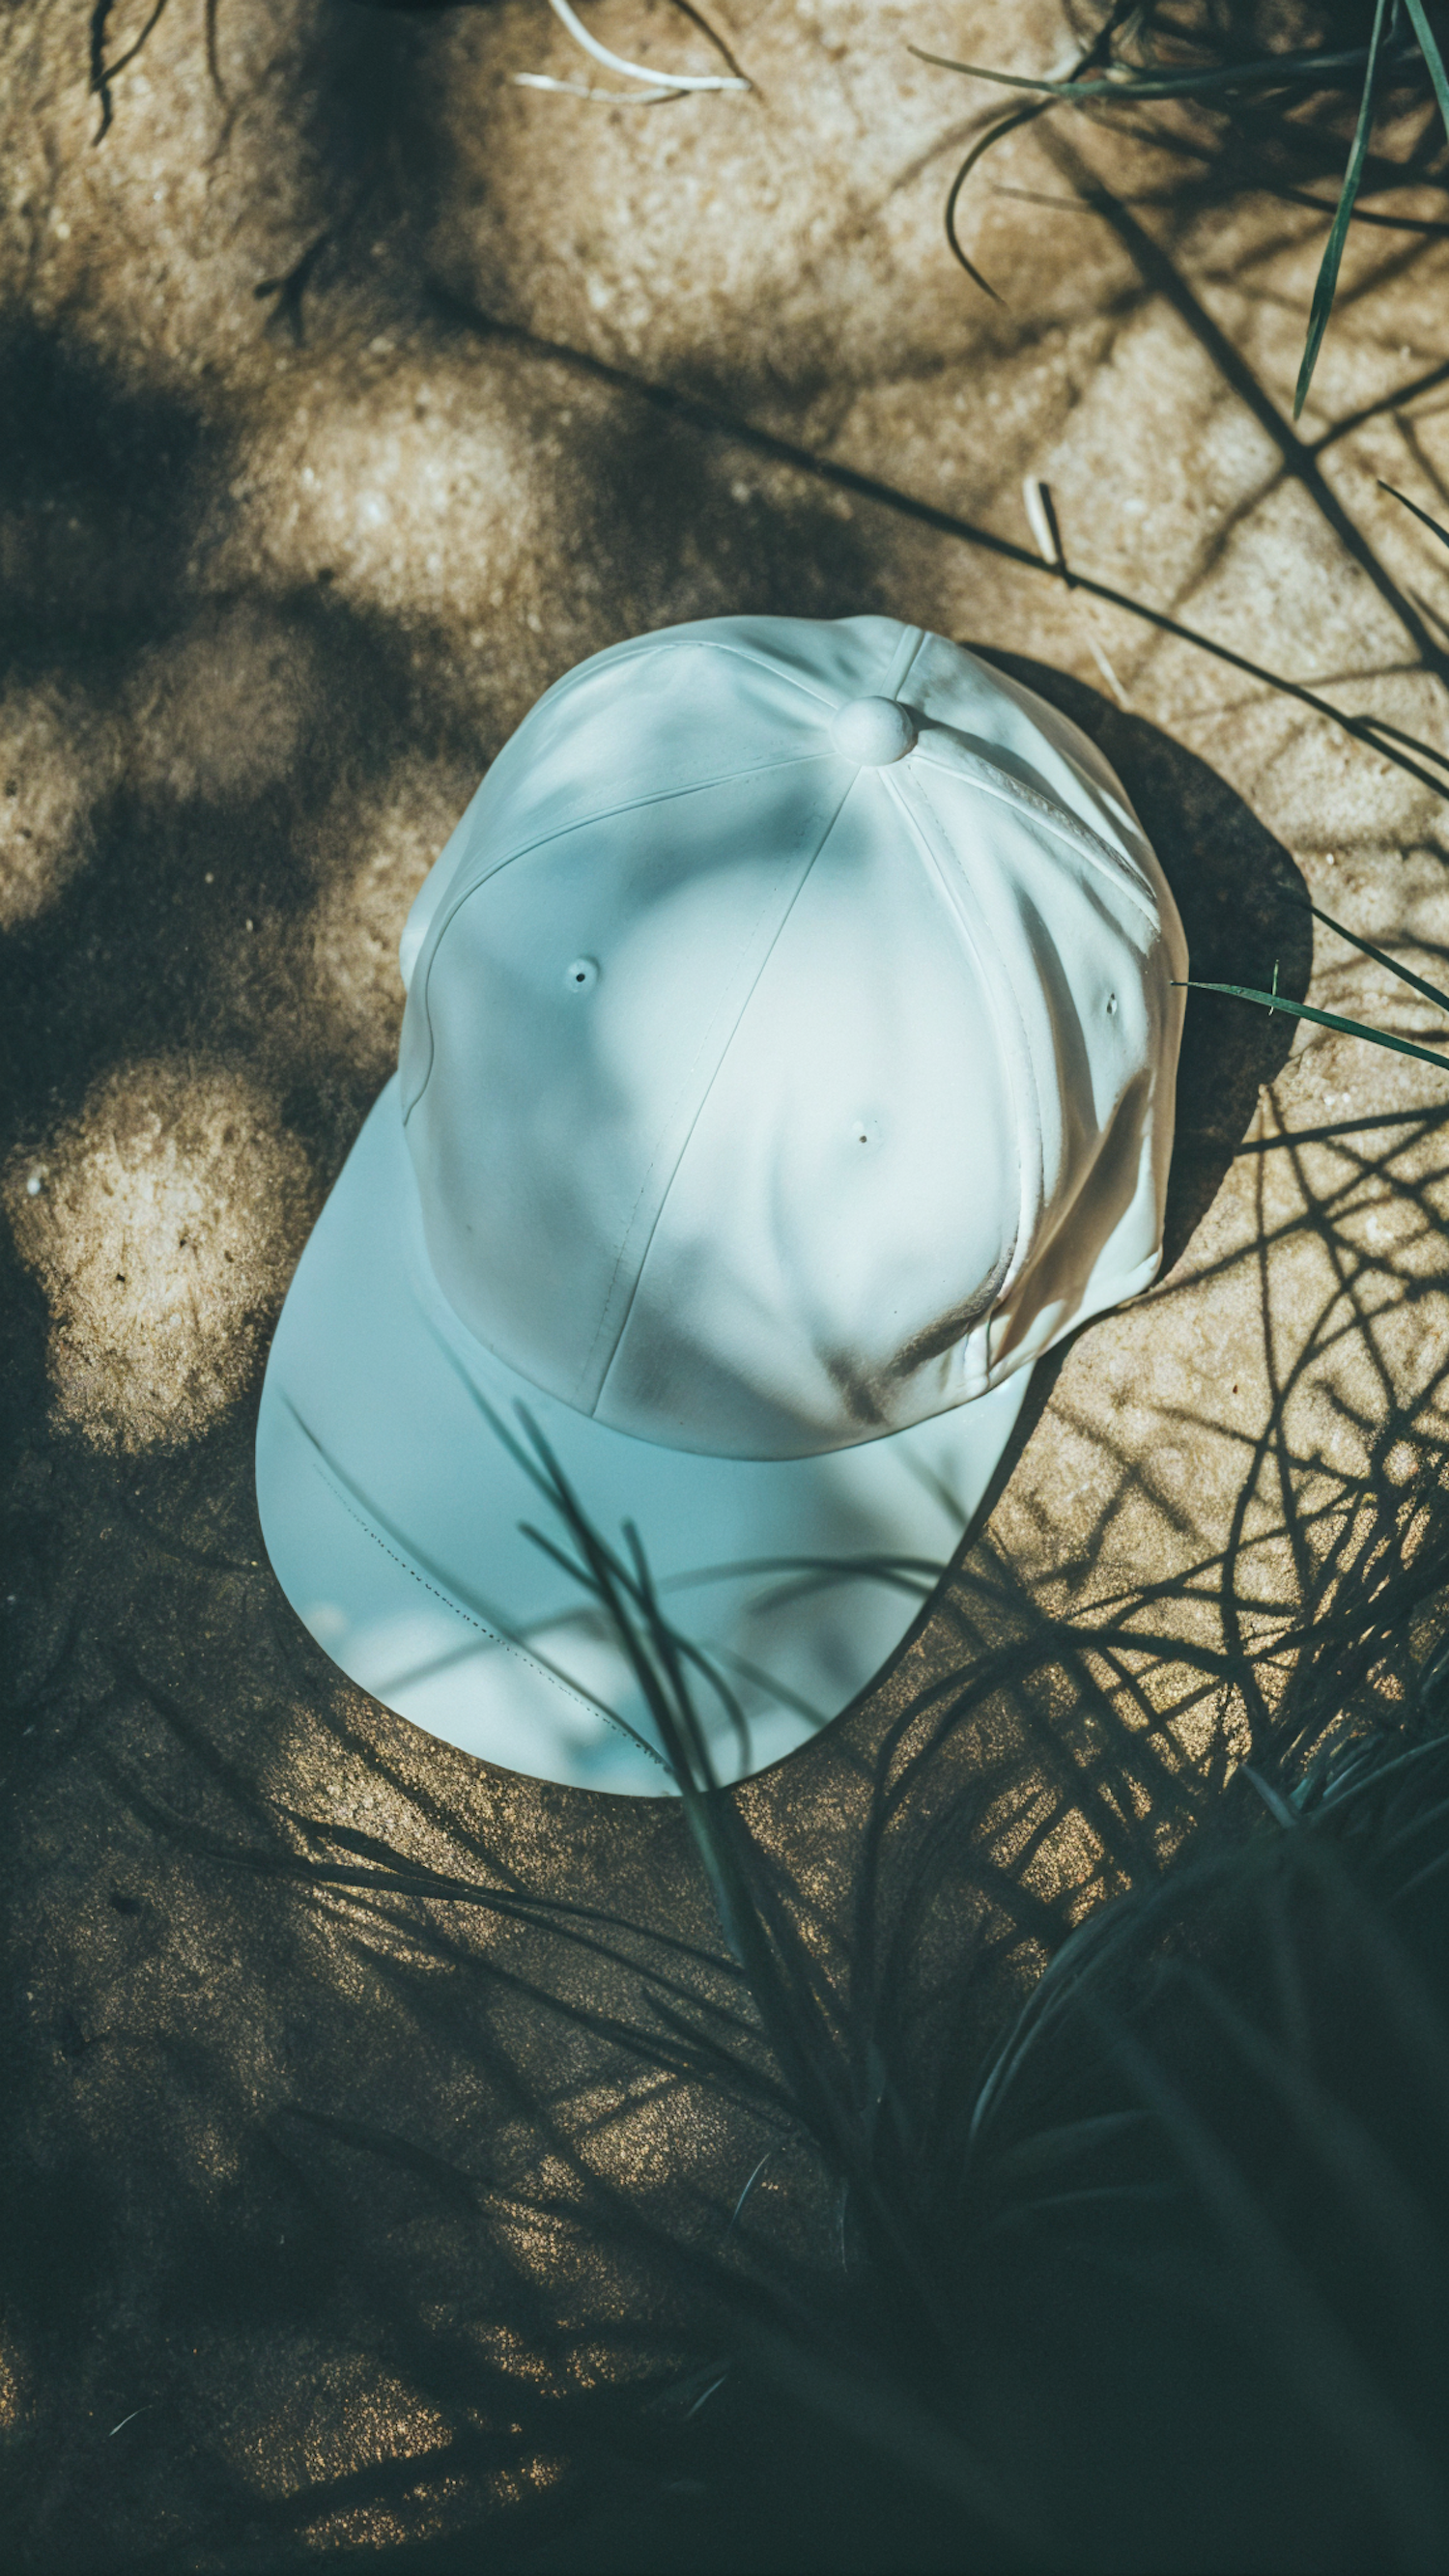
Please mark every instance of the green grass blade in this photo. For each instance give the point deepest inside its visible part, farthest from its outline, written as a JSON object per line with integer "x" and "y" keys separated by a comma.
{"x": 1324, "y": 1019}
{"x": 1267, "y": 68}
{"x": 1326, "y": 285}
{"x": 1014, "y": 118}
{"x": 1277, "y": 1805}
{"x": 1429, "y": 48}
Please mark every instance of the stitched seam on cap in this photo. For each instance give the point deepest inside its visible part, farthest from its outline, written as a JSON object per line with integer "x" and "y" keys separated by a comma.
{"x": 581, "y": 823}
{"x": 745, "y": 1000}
{"x": 757, "y": 662}
{"x": 1065, "y": 827}
{"x": 904, "y": 659}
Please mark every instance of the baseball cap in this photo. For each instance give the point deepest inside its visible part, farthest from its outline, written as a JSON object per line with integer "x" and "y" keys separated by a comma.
{"x": 787, "y": 1063}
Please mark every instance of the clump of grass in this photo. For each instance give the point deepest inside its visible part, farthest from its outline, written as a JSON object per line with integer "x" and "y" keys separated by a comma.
{"x": 1207, "y": 56}
{"x": 1146, "y": 2271}
{"x": 1159, "y": 2281}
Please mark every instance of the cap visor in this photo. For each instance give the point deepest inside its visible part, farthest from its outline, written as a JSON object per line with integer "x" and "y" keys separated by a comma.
{"x": 394, "y": 1513}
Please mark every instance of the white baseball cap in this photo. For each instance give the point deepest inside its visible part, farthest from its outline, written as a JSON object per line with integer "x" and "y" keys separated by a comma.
{"x": 788, "y": 1062}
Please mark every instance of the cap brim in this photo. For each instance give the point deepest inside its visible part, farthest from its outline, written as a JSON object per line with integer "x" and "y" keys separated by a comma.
{"x": 395, "y": 1517}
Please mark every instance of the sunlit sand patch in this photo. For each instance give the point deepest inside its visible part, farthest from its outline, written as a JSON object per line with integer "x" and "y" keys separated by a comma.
{"x": 221, "y": 710}
{"x": 414, "y": 485}
{"x": 162, "y": 1222}
{"x": 341, "y": 2417}
{"x": 57, "y": 757}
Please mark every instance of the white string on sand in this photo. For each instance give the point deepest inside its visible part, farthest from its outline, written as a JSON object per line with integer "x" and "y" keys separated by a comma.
{"x": 581, "y": 89}
{"x": 657, "y": 85}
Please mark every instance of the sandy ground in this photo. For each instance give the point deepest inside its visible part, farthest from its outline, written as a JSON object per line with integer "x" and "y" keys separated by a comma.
{"x": 352, "y": 392}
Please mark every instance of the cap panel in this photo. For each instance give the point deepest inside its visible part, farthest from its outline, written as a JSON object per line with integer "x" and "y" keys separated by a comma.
{"x": 1089, "y": 959}
{"x": 548, "y": 1132}
{"x": 1105, "y": 1246}
{"x": 849, "y": 1197}
{"x": 966, "y": 892}
{"x": 1026, "y": 739}
{"x": 1068, "y": 941}
{"x": 595, "y": 749}
{"x": 453, "y": 857}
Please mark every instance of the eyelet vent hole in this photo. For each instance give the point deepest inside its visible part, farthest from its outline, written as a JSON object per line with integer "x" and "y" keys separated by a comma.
{"x": 583, "y": 973}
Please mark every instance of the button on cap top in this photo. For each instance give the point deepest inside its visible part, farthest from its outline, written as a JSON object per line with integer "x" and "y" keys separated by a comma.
{"x": 873, "y": 731}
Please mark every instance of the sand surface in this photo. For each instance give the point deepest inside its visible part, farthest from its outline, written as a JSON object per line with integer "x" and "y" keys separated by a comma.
{"x": 351, "y": 392}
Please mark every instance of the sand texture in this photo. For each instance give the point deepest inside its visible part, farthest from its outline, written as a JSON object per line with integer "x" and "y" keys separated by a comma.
{"x": 351, "y": 392}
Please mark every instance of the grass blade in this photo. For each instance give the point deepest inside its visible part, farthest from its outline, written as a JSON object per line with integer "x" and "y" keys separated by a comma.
{"x": 1326, "y": 284}
{"x": 1268, "y": 68}
{"x": 1004, "y": 125}
{"x": 1323, "y": 1019}
{"x": 1292, "y": 2313}
{"x": 1429, "y": 48}
{"x": 1013, "y": 120}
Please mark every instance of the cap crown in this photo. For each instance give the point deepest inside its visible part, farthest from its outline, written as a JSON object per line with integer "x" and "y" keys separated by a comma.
{"x": 777, "y": 1070}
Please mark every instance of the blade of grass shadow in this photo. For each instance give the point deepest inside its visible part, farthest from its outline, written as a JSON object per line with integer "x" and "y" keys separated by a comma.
{"x": 783, "y": 1977}
{"x": 1413, "y": 508}
{"x": 712, "y": 418}
{"x": 1159, "y": 272}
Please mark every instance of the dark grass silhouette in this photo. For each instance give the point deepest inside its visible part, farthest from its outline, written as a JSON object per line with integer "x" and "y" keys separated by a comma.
{"x": 1150, "y": 2278}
